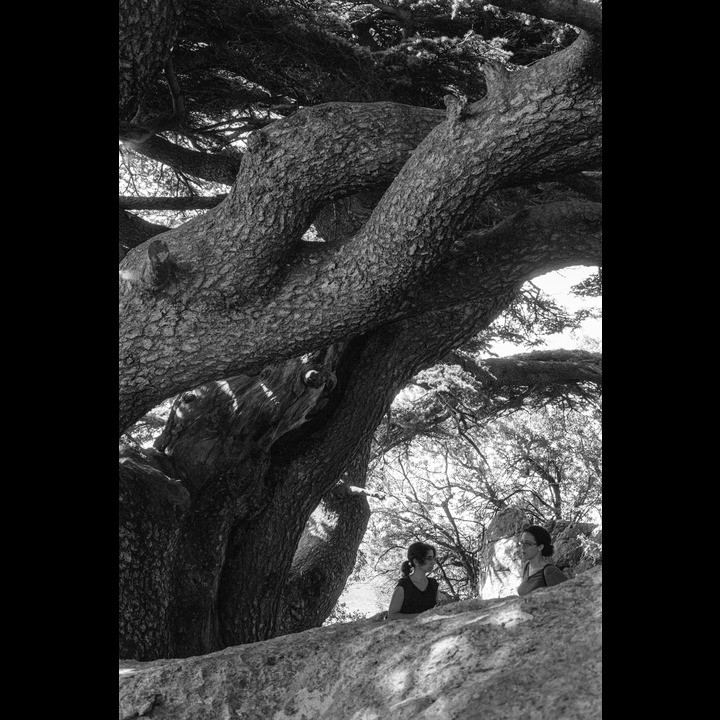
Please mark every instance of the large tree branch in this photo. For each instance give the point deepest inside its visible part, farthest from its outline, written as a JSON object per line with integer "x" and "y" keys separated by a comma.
{"x": 325, "y": 555}
{"x": 232, "y": 264}
{"x": 134, "y": 231}
{"x": 539, "y": 368}
{"x": 538, "y": 376}
{"x": 493, "y": 265}
{"x": 206, "y": 166}
{"x": 147, "y": 31}
{"x": 315, "y": 153}
{"x": 580, "y": 13}
{"x": 453, "y": 167}
{"x": 531, "y": 242}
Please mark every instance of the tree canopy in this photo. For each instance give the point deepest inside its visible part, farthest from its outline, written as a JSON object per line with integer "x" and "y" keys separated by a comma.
{"x": 318, "y": 201}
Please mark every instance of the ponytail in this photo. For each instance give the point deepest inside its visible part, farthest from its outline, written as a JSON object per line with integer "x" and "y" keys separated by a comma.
{"x": 416, "y": 551}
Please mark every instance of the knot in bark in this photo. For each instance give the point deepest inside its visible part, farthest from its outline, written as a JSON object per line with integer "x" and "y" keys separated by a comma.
{"x": 456, "y": 108}
{"x": 316, "y": 378}
{"x": 158, "y": 269}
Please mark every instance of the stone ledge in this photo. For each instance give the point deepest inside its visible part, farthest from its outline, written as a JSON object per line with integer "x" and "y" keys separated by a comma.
{"x": 535, "y": 658}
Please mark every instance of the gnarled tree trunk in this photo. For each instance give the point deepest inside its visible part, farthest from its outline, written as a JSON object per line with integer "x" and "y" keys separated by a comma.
{"x": 283, "y": 356}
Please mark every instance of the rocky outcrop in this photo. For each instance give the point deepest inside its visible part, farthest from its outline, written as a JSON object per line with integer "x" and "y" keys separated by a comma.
{"x": 535, "y": 658}
{"x": 578, "y": 546}
{"x": 500, "y": 554}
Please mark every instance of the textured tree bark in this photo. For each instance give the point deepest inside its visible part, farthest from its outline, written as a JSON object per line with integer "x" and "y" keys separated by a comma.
{"x": 147, "y": 32}
{"x": 257, "y": 454}
{"x": 326, "y": 553}
{"x": 219, "y": 439}
{"x": 134, "y": 231}
{"x": 252, "y": 529}
{"x": 206, "y": 166}
{"x": 151, "y": 506}
{"x": 537, "y": 369}
{"x": 260, "y": 300}
{"x": 221, "y": 310}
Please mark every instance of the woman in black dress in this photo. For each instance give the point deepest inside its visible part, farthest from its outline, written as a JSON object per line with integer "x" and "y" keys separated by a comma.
{"x": 415, "y": 591}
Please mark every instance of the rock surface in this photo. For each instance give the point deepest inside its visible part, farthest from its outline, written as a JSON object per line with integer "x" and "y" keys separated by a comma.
{"x": 535, "y": 658}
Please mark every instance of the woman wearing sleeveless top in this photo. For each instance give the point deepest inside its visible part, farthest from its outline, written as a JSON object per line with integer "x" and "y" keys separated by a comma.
{"x": 536, "y": 546}
{"x": 415, "y": 591}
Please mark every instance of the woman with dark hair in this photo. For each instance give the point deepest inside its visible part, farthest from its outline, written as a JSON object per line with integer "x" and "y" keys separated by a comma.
{"x": 536, "y": 546}
{"x": 415, "y": 591}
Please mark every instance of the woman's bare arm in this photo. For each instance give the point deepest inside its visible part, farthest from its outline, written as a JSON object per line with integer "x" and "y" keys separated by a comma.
{"x": 396, "y": 603}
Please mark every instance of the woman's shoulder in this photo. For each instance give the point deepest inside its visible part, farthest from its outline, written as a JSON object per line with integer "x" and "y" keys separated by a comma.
{"x": 554, "y": 572}
{"x": 404, "y": 582}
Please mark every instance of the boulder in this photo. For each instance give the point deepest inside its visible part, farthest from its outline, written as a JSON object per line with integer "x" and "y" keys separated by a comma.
{"x": 578, "y": 546}
{"x": 501, "y": 560}
{"x": 535, "y": 658}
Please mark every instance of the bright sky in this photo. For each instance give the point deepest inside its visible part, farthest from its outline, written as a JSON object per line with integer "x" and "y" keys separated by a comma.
{"x": 365, "y": 598}
{"x": 557, "y": 285}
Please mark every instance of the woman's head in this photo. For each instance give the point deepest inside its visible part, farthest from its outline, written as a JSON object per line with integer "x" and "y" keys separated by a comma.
{"x": 419, "y": 554}
{"x": 536, "y": 539}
